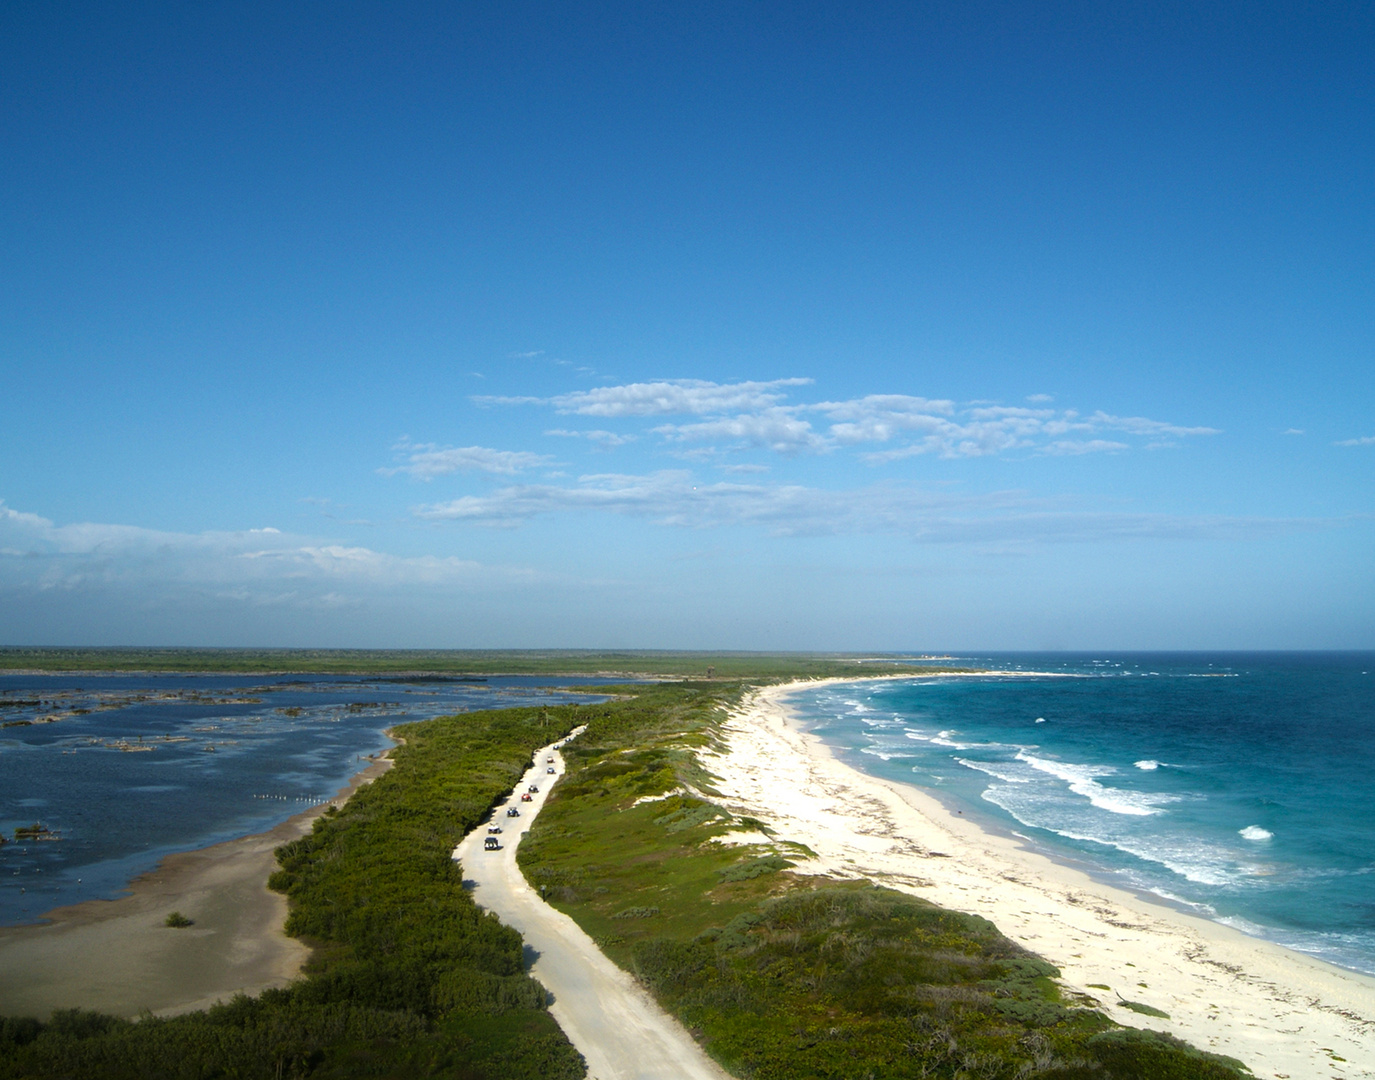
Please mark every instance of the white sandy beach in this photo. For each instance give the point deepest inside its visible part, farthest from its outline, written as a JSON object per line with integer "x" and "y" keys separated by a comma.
{"x": 1284, "y": 1014}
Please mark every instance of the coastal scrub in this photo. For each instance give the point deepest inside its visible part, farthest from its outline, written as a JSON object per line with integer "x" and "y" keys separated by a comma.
{"x": 408, "y": 978}
{"x": 782, "y": 975}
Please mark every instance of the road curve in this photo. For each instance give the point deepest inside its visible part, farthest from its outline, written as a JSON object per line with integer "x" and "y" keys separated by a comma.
{"x": 614, "y": 1023}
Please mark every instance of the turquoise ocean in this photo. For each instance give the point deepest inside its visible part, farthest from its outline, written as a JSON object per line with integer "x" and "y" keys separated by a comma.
{"x": 1239, "y": 787}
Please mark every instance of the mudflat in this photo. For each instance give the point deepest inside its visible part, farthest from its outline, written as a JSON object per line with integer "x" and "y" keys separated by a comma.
{"x": 120, "y": 957}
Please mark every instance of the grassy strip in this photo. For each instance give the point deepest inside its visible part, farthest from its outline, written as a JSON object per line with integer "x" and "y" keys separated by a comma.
{"x": 408, "y": 979}
{"x": 451, "y": 661}
{"x": 785, "y": 976}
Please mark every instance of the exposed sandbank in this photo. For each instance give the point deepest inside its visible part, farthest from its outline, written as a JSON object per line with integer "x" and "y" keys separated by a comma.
{"x": 1283, "y": 1013}
{"x": 117, "y": 956}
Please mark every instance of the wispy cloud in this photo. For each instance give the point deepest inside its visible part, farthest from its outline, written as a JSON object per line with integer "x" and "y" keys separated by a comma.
{"x": 666, "y": 398}
{"x": 1293, "y": 431}
{"x": 1364, "y": 440}
{"x": 671, "y": 497}
{"x": 1071, "y": 447}
{"x": 780, "y": 430}
{"x": 425, "y": 461}
{"x": 1139, "y": 425}
{"x": 605, "y": 439}
{"x": 37, "y": 554}
{"x": 727, "y": 417}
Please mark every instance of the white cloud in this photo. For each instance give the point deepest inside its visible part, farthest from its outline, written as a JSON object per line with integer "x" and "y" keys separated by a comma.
{"x": 38, "y": 555}
{"x": 1364, "y": 440}
{"x": 672, "y": 498}
{"x": 606, "y": 439}
{"x": 881, "y": 417}
{"x": 1070, "y": 447}
{"x": 1139, "y": 425}
{"x": 735, "y": 416}
{"x": 690, "y": 397}
{"x": 1293, "y": 431}
{"x": 425, "y": 461}
{"x": 778, "y": 429}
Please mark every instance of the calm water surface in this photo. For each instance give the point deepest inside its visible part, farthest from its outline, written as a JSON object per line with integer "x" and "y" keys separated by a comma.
{"x": 122, "y": 770}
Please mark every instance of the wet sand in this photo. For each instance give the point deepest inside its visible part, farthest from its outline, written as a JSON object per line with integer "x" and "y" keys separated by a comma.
{"x": 117, "y": 956}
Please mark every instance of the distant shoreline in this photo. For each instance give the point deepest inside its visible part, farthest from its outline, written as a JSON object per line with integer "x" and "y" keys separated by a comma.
{"x": 552, "y": 663}
{"x": 118, "y": 956}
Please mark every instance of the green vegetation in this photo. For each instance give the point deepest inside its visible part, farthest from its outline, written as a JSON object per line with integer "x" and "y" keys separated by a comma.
{"x": 646, "y": 663}
{"x": 408, "y": 977}
{"x": 779, "y": 974}
{"x": 782, "y": 975}
{"x": 1144, "y": 1010}
{"x": 177, "y": 921}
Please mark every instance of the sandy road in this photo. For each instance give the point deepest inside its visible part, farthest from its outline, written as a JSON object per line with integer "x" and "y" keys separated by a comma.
{"x": 616, "y": 1026}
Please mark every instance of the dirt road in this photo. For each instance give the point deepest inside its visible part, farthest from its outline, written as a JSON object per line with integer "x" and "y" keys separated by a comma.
{"x": 617, "y": 1027}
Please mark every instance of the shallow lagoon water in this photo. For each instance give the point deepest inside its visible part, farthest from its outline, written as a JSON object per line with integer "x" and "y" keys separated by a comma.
{"x": 122, "y": 770}
{"x": 1237, "y": 785}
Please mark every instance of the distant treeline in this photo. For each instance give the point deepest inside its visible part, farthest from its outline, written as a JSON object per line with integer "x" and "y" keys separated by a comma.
{"x": 729, "y": 665}
{"x": 409, "y": 978}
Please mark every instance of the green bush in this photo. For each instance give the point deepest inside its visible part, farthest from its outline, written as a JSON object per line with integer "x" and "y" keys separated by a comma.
{"x": 408, "y": 977}
{"x": 754, "y": 868}
{"x": 637, "y": 913}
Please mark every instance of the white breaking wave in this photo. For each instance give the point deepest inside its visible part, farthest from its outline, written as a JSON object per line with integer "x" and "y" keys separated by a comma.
{"x": 883, "y": 753}
{"x": 1255, "y": 832}
{"x": 1081, "y": 781}
{"x": 878, "y": 721}
{"x": 1197, "y": 861}
{"x": 1148, "y": 765}
{"x": 992, "y": 770}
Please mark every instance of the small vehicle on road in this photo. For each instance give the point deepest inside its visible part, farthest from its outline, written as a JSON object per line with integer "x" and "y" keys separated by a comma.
{"x": 534, "y": 788}
{"x": 511, "y": 811}
{"x": 494, "y": 829}
{"x": 549, "y": 760}
{"x": 526, "y": 797}
{"x": 550, "y": 769}
{"x": 491, "y": 844}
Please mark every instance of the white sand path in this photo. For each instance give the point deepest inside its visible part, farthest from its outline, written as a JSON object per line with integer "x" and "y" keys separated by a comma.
{"x": 1283, "y": 1013}
{"x": 614, "y": 1023}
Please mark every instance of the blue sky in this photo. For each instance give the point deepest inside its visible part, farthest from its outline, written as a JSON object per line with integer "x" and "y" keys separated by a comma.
{"x": 861, "y": 326}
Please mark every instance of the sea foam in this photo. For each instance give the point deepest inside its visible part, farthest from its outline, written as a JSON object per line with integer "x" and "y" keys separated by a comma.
{"x": 1082, "y": 781}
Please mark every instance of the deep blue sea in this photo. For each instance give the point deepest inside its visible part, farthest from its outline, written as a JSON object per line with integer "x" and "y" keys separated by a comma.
{"x": 121, "y": 770}
{"x": 1240, "y": 786}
